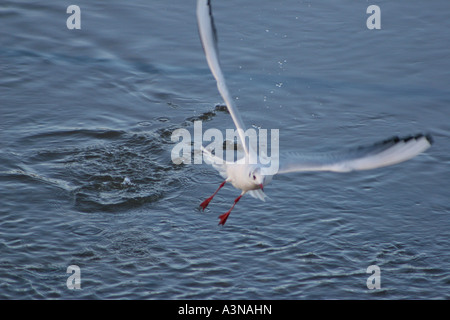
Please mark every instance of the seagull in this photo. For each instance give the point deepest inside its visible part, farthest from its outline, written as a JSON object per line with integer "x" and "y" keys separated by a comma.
{"x": 249, "y": 176}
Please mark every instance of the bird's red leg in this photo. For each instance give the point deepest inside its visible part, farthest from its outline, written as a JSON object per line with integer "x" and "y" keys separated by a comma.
{"x": 205, "y": 203}
{"x": 223, "y": 218}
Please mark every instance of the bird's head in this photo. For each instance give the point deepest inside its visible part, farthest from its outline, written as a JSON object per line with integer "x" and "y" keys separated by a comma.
{"x": 257, "y": 177}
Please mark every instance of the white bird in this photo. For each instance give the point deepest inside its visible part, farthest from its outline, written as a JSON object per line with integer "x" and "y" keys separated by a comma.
{"x": 248, "y": 176}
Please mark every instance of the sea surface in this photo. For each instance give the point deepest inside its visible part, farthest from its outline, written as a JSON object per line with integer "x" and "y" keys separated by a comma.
{"x": 87, "y": 178}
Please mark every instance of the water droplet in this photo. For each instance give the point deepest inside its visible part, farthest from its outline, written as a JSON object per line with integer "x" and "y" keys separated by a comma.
{"x": 126, "y": 182}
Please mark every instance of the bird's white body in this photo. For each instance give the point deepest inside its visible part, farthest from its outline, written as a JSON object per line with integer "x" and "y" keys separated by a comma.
{"x": 240, "y": 176}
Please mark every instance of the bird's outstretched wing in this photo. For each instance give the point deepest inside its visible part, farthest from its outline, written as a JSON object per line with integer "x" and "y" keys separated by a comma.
{"x": 208, "y": 38}
{"x": 385, "y": 153}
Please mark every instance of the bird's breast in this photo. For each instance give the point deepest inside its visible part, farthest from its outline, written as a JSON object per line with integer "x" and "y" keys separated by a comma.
{"x": 238, "y": 175}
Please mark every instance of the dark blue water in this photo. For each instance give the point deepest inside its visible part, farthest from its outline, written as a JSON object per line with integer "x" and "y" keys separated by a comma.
{"x": 82, "y": 110}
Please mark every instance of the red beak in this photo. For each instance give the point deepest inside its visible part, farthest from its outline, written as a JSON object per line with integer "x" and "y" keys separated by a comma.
{"x": 261, "y": 187}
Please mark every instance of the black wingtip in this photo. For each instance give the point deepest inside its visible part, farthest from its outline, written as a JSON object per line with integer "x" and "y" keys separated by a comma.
{"x": 396, "y": 139}
{"x": 429, "y": 138}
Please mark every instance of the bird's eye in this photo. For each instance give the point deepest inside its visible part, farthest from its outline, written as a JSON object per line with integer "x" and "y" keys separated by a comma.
{"x": 254, "y": 178}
